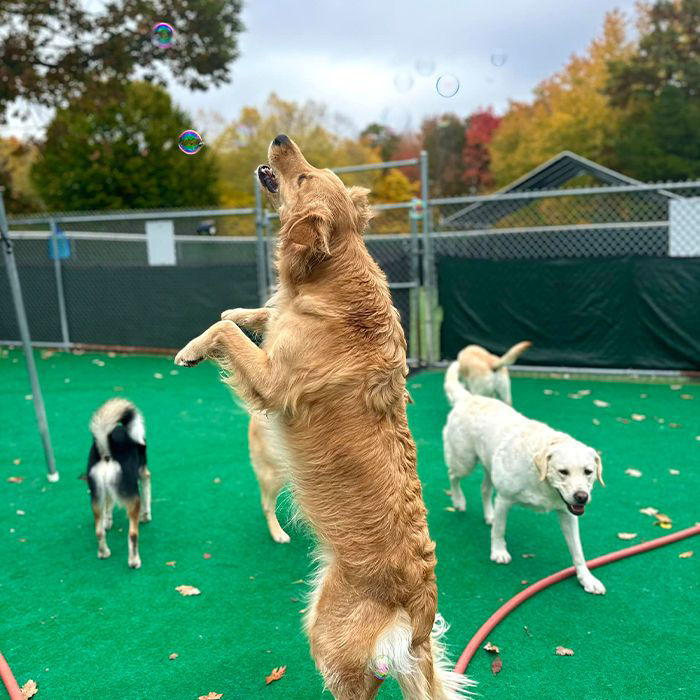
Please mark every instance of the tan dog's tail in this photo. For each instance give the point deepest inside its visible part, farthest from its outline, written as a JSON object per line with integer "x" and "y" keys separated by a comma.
{"x": 512, "y": 355}
{"x": 454, "y": 389}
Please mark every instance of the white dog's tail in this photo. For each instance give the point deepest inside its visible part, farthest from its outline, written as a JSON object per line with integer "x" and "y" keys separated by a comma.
{"x": 453, "y": 386}
{"x": 512, "y": 355}
{"x": 108, "y": 416}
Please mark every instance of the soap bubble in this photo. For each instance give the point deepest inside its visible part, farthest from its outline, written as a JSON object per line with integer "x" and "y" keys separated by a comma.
{"x": 447, "y": 85}
{"x": 403, "y": 81}
{"x": 162, "y": 35}
{"x": 498, "y": 57}
{"x": 425, "y": 66}
{"x": 381, "y": 667}
{"x": 397, "y": 118}
{"x": 190, "y": 142}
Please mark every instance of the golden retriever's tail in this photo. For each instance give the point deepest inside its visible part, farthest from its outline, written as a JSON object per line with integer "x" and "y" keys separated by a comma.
{"x": 423, "y": 673}
{"x": 512, "y": 355}
{"x": 454, "y": 389}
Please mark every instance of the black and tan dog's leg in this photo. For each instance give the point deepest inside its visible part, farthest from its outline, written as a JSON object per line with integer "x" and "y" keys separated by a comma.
{"x": 226, "y": 343}
{"x": 253, "y": 320}
{"x": 99, "y": 513}
{"x": 133, "y": 507}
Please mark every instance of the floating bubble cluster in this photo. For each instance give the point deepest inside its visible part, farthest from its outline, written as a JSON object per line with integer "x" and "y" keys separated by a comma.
{"x": 447, "y": 85}
{"x": 163, "y": 35}
{"x": 403, "y": 81}
{"x": 381, "y": 667}
{"x": 498, "y": 57}
{"x": 190, "y": 142}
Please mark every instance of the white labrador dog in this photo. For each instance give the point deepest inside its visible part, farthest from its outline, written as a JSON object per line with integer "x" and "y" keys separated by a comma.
{"x": 527, "y": 461}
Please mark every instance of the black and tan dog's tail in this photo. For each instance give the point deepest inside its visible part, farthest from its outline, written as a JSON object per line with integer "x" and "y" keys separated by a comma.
{"x": 111, "y": 414}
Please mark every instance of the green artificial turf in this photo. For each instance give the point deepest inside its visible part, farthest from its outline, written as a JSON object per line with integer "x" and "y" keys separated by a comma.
{"x": 82, "y": 627}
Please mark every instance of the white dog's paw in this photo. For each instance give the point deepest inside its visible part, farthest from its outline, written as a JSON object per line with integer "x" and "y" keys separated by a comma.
{"x": 488, "y": 518}
{"x": 459, "y": 501}
{"x": 145, "y": 518}
{"x": 135, "y": 562}
{"x": 500, "y": 556}
{"x": 190, "y": 355}
{"x": 104, "y": 553}
{"x": 108, "y": 523}
{"x": 591, "y": 584}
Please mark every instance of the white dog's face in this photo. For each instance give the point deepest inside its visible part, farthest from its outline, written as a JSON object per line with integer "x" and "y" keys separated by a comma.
{"x": 571, "y": 468}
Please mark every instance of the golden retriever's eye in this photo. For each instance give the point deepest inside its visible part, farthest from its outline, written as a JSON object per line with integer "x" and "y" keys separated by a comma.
{"x": 301, "y": 179}
{"x": 564, "y": 472}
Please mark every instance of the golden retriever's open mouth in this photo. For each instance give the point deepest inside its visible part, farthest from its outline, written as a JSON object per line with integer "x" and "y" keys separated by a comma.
{"x": 268, "y": 179}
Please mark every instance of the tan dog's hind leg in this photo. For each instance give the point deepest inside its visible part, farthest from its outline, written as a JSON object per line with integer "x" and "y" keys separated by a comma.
{"x": 102, "y": 548}
{"x": 226, "y": 343}
{"x": 145, "y": 495}
{"x": 133, "y": 508}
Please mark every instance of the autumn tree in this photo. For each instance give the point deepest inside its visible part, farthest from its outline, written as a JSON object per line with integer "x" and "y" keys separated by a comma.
{"x": 116, "y": 148}
{"x": 382, "y": 138}
{"x": 476, "y": 156}
{"x": 569, "y": 112}
{"x": 53, "y": 51}
{"x": 243, "y": 145}
{"x": 16, "y": 158}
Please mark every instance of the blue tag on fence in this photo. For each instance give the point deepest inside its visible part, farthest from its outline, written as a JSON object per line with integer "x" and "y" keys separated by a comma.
{"x": 59, "y": 244}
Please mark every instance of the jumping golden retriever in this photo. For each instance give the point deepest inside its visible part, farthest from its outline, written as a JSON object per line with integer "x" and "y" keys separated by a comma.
{"x": 330, "y": 379}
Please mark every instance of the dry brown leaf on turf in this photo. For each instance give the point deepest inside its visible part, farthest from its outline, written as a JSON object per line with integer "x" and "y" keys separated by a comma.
{"x": 275, "y": 675}
{"x": 584, "y": 392}
{"x": 600, "y": 404}
{"x": 638, "y": 416}
{"x": 187, "y": 590}
{"x": 206, "y": 555}
{"x": 496, "y": 666}
{"x": 15, "y": 479}
{"x": 211, "y": 696}
{"x": 633, "y": 472}
{"x": 664, "y": 524}
{"x": 170, "y": 563}
{"x": 299, "y": 580}
{"x": 675, "y": 387}
{"x": 563, "y": 651}
{"x": 29, "y": 689}
{"x": 17, "y": 461}
{"x": 527, "y": 555}
{"x": 686, "y": 555}
{"x": 648, "y": 511}
{"x": 673, "y": 472}
{"x": 626, "y": 535}
{"x": 172, "y": 656}
{"x": 492, "y": 648}
{"x": 662, "y": 518}
{"x": 687, "y": 397}
{"x": 449, "y": 509}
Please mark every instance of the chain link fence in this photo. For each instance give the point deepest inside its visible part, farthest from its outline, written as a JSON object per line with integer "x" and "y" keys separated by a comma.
{"x": 155, "y": 279}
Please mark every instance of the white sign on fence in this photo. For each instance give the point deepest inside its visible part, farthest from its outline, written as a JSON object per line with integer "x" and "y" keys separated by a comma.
{"x": 684, "y": 228}
{"x": 160, "y": 242}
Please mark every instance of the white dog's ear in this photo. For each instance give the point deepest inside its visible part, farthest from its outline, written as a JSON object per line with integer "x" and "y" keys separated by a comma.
{"x": 599, "y": 468}
{"x": 541, "y": 459}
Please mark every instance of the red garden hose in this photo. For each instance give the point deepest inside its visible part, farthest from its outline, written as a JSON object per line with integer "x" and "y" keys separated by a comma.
{"x": 515, "y": 601}
{"x": 9, "y": 680}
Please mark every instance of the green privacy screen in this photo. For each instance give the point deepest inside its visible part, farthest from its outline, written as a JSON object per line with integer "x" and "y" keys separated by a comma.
{"x": 641, "y": 313}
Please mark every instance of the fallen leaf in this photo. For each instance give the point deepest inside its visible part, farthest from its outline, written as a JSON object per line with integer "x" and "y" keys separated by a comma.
{"x": 173, "y": 372}
{"x": 217, "y": 480}
{"x": 687, "y": 397}
{"x": 626, "y": 535}
{"x": 584, "y": 392}
{"x": 662, "y": 518}
{"x": 29, "y": 689}
{"x": 275, "y": 675}
{"x": 211, "y": 696}
{"x": 675, "y": 425}
{"x": 28, "y": 397}
{"x": 644, "y": 396}
{"x": 601, "y": 404}
{"x": 187, "y": 590}
{"x": 170, "y": 563}
{"x": 299, "y": 580}
{"x": 111, "y": 354}
{"x": 686, "y": 555}
{"x": 648, "y": 511}
{"x": 173, "y": 656}
{"x": 527, "y": 556}
{"x": 21, "y": 512}
{"x": 673, "y": 472}
{"x": 118, "y": 388}
{"x": 548, "y": 391}
{"x": 623, "y": 420}
{"x": 293, "y": 599}
{"x": 496, "y": 666}
{"x": 596, "y": 421}
{"x": 15, "y": 479}
{"x": 675, "y": 387}
{"x": 573, "y": 396}
{"x": 206, "y": 555}
{"x": 17, "y": 461}
{"x": 523, "y": 582}
{"x": 66, "y": 380}
{"x": 99, "y": 363}
{"x": 450, "y": 509}
{"x": 638, "y": 416}
{"x": 563, "y": 651}
{"x": 22, "y": 539}
{"x": 633, "y": 472}
{"x": 158, "y": 375}
{"x": 492, "y": 648}
{"x": 665, "y": 525}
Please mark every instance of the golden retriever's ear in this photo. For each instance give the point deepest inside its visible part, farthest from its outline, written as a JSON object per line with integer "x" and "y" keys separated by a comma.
{"x": 599, "y": 469}
{"x": 358, "y": 195}
{"x": 305, "y": 242}
{"x": 311, "y": 231}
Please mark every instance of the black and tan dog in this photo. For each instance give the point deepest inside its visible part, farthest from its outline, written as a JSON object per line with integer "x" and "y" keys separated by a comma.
{"x": 116, "y": 464}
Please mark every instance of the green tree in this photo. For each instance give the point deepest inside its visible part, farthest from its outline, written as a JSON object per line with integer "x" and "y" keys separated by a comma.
{"x": 383, "y": 138}
{"x": 443, "y": 138}
{"x": 243, "y": 145}
{"x": 52, "y": 51}
{"x": 116, "y": 148}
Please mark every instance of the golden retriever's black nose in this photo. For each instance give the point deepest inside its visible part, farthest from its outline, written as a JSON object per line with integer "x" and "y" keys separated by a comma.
{"x": 581, "y": 497}
{"x": 281, "y": 140}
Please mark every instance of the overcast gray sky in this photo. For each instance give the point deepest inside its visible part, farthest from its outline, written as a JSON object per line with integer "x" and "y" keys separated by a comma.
{"x": 360, "y": 56}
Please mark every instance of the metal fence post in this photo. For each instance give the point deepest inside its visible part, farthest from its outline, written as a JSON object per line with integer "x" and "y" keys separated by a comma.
{"x": 58, "y": 270}
{"x": 427, "y": 261}
{"x": 260, "y": 235}
{"x": 16, "y": 291}
{"x": 269, "y": 256}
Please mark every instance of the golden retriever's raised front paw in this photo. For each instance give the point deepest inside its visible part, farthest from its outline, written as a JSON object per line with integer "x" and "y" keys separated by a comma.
{"x": 190, "y": 355}
{"x": 235, "y": 315}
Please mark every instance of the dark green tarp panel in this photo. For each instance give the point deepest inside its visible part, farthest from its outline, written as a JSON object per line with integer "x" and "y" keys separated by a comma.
{"x": 641, "y": 313}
